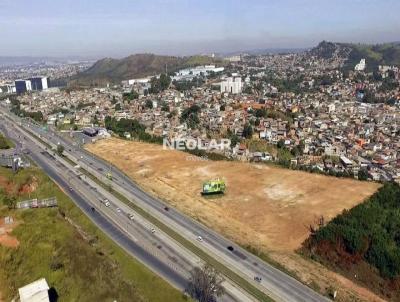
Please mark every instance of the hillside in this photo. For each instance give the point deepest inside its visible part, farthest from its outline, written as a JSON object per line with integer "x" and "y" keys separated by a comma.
{"x": 364, "y": 242}
{"x": 61, "y": 244}
{"x": 110, "y": 70}
{"x": 378, "y": 54}
{"x": 329, "y": 50}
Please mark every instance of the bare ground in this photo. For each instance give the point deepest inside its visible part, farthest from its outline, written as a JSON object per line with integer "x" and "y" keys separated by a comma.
{"x": 266, "y": 207}
{"x": 6, "y": 239}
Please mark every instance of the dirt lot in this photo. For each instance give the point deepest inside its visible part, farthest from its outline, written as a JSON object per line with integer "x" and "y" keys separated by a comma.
{"x": 266, "y": 207}
{"x": 6, "y": 239}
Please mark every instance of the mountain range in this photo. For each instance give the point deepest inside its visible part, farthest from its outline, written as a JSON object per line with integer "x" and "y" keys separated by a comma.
{"x": 374, "y": 54}
{"x": 109, "y": 70}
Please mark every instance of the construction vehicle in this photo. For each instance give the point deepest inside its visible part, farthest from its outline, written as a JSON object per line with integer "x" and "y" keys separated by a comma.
{"x": 216, "y": 186}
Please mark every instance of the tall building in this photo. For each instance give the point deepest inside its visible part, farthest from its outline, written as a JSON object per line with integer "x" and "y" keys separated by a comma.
{"x": 39, "y": 83}
{"x": 232, "y": 85}
{"x": 22, "y": 86}
{"x": 35, "y": 83}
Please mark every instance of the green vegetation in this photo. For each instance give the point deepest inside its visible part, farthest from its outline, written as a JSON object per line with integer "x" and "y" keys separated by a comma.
{"x": 133, "y": 95}
{"x": 247, "y": 131}
{"x": 131, "y": 126}
{"x": 135, "y": 66}
{"x": 205, "y": 284}
{"x": 185, "y": 85}
{"x": 206, "y": 155}
{"x": 368, "y": 233}
{"x": 375, "y": 54}
{"x": 379, "y": 54}
{"x": 59, "y": 110}
{"x": 60, "y": 150}
{"x": 159, "y": 84}
{"x": 5, "y": 143}
{"x": 85, "y": 105}
{"x": 76, "y": 258}
{"x": 199, "y": 60}
{"x": 16, "y": 109}
{"x": 190, "y": 116}
{"x": 285, "y": 85}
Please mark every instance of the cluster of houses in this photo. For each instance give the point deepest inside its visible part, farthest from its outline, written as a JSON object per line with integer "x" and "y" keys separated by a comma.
{"x": 323, "y": 125}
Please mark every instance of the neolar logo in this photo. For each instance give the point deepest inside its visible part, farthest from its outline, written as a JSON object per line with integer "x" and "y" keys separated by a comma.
{"x": 193, "y": 144}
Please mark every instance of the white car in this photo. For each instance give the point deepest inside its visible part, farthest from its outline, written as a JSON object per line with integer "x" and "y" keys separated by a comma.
{"x": 199, "y": 238}
{"x": 131, "y": 217}
{"x": 118, "y": 210}
{"x": 107, "y": 204}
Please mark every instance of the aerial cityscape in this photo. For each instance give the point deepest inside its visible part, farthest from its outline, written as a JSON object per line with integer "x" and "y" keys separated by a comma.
{"x": 200, "y": 151}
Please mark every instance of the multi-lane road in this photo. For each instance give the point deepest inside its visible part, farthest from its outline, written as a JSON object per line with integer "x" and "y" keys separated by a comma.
{"x": 271, "y": 281}
{"x": 122, "y": 224}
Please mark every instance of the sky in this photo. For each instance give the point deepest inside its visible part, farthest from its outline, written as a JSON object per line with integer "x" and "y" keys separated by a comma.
{"x": 117, "y": 28}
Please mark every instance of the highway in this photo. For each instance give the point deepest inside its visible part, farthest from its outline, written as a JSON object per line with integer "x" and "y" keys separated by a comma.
{"x": 136, "y": 236}
{"x": 276, "y": 284}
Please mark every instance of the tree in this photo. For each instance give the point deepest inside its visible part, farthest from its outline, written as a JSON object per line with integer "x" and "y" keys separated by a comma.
{"x": 10, "y": 201}
{"x": 205, "y": 284}
{"x": 261, "y": 113}
{"x": 60, "y": 150}
{"x": 95, "y": 120}
{"x": 248, "y": 90}
{"x": 160, "y": 84}
{"x": 190, "y": 116}
{"x": 117, "y": 107}
{"x": 4, "y": 143}
{"x": 149, "y": 104}
{"x": 234, "y": 140}
{"x": 281, "y": 144}
{"x": 165, "y": 81}
{"x": 247, "y": 131}
{"x": 165, "y": 107}
{"x": 363, "y": 174}
{"x": 133, "y": 95}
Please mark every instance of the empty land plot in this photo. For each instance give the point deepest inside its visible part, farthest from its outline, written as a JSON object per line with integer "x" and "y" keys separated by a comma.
{"x": 267, "y": 207}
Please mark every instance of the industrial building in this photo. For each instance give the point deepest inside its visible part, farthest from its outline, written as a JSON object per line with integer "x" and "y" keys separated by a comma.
{"x": 39, "y": 83}
{"x": 35, "y": 83}
{"x": 190, "y": 73}
{"x": 22, "y": 86}
{"x": 7, "y": 88}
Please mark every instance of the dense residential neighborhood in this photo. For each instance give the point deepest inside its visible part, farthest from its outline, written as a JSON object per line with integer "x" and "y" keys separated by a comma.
{"x": 300, "y": 110}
